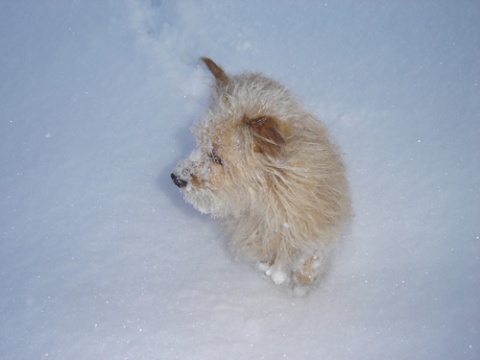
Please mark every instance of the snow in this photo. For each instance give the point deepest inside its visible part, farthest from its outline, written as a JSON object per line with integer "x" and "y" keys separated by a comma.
{"x": 100, "y": 258}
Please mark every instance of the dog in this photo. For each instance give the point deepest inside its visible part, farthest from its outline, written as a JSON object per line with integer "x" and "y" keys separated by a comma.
{"x": 268, "y": 170}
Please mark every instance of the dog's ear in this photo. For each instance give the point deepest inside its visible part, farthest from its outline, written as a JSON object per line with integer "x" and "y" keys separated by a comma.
{"x": 220, "y": 76}
{"x": 269, "y": 135}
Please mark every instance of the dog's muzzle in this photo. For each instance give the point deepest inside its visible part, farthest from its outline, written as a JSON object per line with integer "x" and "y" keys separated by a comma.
{"x": 178, "y": 181}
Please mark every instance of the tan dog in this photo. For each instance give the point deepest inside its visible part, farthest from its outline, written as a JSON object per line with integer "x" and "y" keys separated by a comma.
{"x": 267, "y": 168}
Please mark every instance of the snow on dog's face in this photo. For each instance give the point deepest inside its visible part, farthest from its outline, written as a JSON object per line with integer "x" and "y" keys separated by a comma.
{"x": 201, "y": 175}
{"x": 236, "y": 145}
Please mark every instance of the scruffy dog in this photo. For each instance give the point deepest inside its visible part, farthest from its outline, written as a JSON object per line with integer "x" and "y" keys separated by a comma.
{"x": 267, "y": 168}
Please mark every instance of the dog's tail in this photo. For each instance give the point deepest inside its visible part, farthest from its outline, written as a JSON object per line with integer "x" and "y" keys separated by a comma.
{"x": 220, "y": 76}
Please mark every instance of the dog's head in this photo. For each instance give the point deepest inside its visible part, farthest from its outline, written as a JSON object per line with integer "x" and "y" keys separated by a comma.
{"x": 243, "y": 139}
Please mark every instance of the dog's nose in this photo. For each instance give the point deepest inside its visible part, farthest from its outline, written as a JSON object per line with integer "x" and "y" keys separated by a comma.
{"x": 177, "y": 181}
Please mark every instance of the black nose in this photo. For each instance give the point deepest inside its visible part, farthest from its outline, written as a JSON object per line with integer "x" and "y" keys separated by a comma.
{"x": 177, "y": 181}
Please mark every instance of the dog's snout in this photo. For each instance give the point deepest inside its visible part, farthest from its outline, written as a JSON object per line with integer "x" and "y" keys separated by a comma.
{"x": 177, "y": 181}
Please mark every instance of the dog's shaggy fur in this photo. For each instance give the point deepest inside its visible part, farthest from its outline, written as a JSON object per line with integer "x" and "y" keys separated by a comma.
{"x": 267, "y": 168}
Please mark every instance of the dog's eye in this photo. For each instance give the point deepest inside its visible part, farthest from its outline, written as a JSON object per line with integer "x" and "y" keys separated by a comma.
{"x": 215, "y": 158}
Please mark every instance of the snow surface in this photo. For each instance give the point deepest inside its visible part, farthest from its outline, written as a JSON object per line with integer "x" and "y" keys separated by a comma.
{"x": 100, "y": 258}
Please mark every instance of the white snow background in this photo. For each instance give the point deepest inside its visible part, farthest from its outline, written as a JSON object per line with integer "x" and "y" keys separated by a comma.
{"x": 100, "y": 258}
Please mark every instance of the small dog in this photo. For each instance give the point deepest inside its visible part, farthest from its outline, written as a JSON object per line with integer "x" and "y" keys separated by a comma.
{"x": 267, "y": 168}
